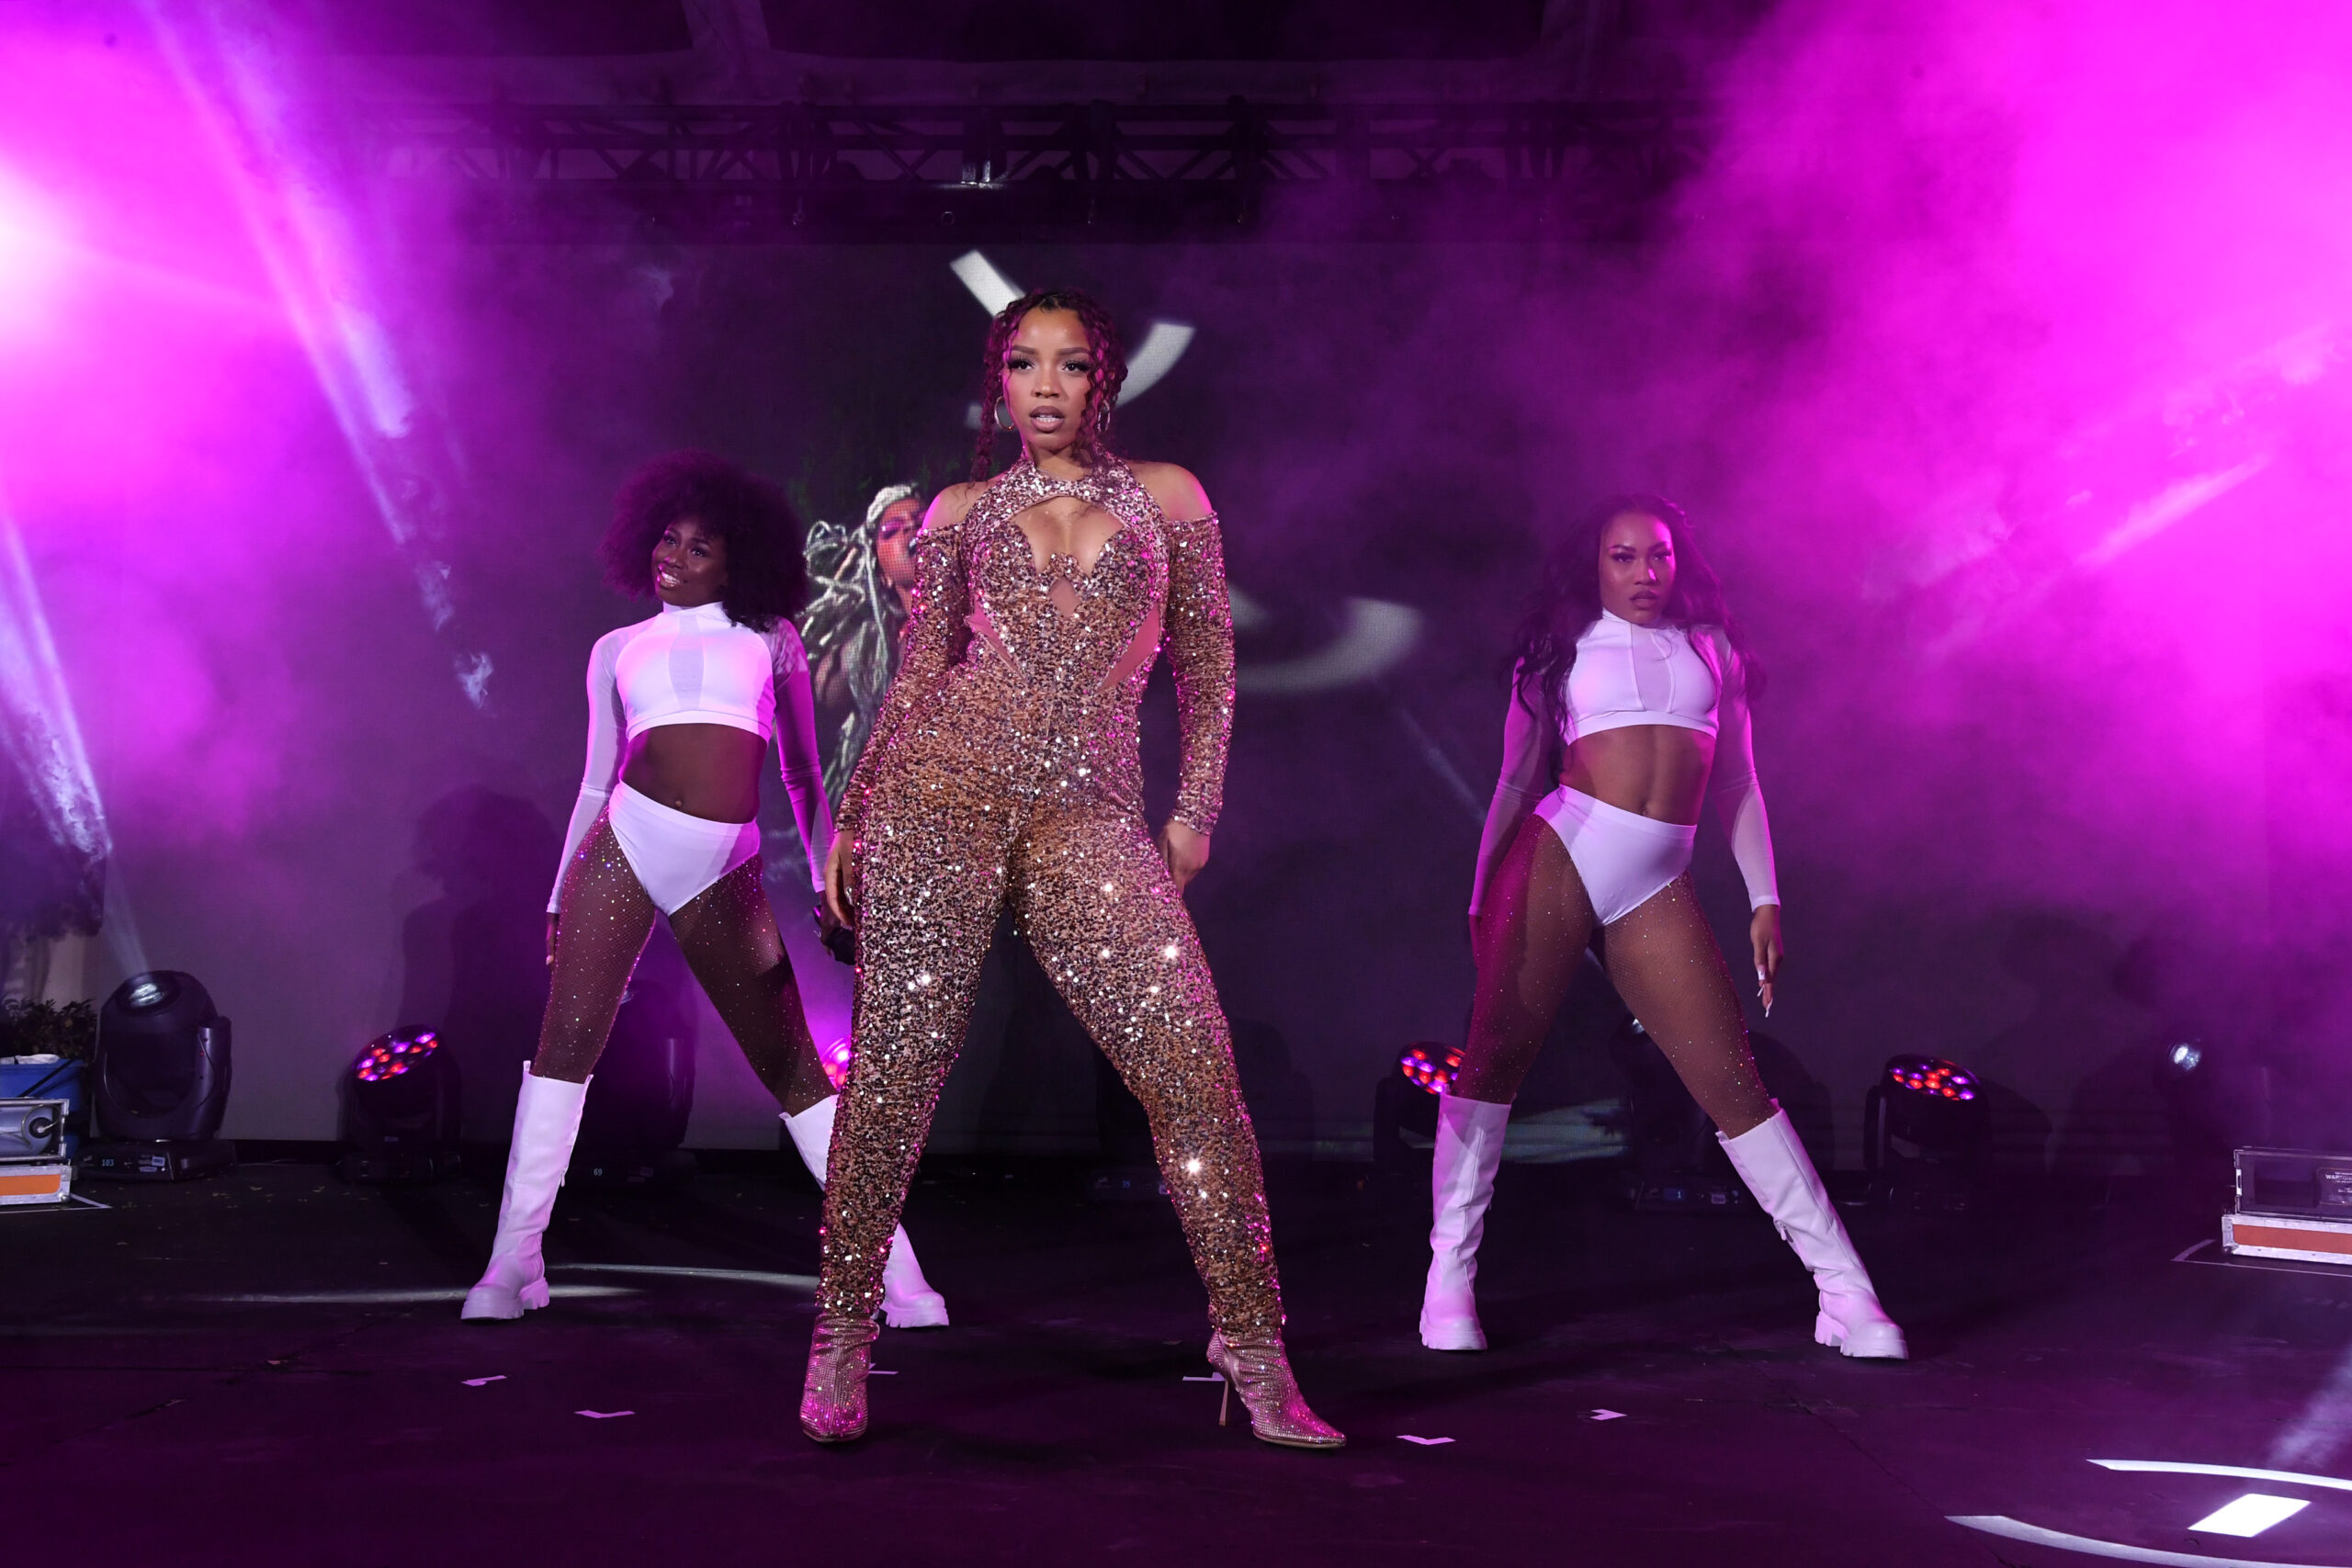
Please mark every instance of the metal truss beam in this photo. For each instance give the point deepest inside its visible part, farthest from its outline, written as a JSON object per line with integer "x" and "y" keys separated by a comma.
{"x": 770, "y": 173}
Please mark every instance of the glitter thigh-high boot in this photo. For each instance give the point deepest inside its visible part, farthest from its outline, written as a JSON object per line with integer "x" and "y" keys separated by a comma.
{"x": 1097, "y": 904}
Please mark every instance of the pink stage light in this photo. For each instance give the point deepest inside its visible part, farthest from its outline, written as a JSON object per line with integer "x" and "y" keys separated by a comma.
{"x": 36, "y": 250}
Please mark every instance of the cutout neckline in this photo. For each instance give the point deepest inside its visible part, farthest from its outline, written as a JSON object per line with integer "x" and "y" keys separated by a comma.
{"x": 1048, "y": 568}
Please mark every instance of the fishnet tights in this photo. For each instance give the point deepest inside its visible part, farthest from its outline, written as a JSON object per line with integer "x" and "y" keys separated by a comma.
{"x": 1529, "y": 938}
{"x": 729, "y": 935}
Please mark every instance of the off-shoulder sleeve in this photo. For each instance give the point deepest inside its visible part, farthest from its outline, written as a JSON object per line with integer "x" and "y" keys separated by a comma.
{"x": 932, "y": 643}
{"x": 1200, "y": 651}
{"x": 1527, "y": 736}
{"x": 796, "y": 749}
{"x": 1733, "y": 786}
{"x": 607, "y": 727}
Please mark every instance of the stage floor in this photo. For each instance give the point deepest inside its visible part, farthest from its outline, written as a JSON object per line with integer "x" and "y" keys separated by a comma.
{"x": 268, "y": 1368}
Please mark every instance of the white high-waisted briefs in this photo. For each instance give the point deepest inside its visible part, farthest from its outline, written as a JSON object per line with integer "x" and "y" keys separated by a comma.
{"x": 676, "y": 856}
{"x": 1623, "y": 858}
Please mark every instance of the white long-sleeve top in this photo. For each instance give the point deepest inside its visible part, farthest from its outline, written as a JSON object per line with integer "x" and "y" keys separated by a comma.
{"x": 1624, "y": 675}
{"x": 695, "y": 665}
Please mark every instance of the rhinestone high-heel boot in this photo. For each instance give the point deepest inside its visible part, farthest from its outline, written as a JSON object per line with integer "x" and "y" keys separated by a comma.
{"x": 832, "y": 1402}
{"x": 1256, "y": 1369}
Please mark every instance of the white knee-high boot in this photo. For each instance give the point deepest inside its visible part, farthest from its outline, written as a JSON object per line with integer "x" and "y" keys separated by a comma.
{"x": 547, "y": 1122}
{"x": 1462, "y": 1183}
{"x": 1778, "y": 1171}
{"x": 908, "y": 1300}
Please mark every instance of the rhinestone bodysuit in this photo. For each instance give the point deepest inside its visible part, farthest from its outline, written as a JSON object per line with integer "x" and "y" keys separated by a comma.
{"x": 1003, "y": 772}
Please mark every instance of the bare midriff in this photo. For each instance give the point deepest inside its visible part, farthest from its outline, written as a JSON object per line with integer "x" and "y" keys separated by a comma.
{"x": 711, "y": 771}
{"x": 1658, "y": 770}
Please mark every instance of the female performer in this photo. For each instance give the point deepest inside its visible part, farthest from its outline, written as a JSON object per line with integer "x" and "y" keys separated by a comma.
{"x": 1630, "y": 663}
{"x": 680, "y": 711}
{"x": 1003, "y": 769}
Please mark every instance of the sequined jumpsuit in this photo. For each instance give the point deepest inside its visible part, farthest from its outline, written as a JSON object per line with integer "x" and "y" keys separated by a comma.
{"x": 1004, "y": 771}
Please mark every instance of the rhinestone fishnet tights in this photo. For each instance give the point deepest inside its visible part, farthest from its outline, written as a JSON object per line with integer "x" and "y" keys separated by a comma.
{"x": 1531, "y": 936}
{"x": 728, "y": 936}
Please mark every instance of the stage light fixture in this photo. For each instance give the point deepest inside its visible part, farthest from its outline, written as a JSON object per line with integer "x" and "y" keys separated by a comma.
{"x": 643, "y": 1093}
{"x": 1673, "y": 1163}
{"x": 160, "y": 1081}
{"x": 2210, "y": 1105}
{"x": 1926, "y": 1129}
{"x": 1403, "y": 1102}
{"x": 1427, "y": 1064}
{"x": 400, "y": 1109}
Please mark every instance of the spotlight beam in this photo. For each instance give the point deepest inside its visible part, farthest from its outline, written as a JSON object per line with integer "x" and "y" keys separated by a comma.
{"x": 307, "y": 244}
{"x": 42, "y": 734}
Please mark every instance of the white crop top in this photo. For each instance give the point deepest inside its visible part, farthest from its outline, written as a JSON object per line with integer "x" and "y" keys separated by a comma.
{"x": 1625, "y": 675}
{"x": 696, "y": 666}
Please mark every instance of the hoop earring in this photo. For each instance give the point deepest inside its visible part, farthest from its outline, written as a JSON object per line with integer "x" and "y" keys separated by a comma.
{"x": 1003, "y": 415}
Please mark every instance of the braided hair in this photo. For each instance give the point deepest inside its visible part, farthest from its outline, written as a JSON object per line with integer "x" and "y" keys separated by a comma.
{"x": 1566, "y": 599}
{"x": 1110, "y": 371}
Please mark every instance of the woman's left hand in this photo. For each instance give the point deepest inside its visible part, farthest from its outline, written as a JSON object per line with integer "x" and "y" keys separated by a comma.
{"x": 1764, "y": 935}
{"x": 1185, "y": 850}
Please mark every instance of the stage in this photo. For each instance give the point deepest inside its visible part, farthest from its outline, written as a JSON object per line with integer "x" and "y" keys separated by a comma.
{"x": 268, "y": 1368}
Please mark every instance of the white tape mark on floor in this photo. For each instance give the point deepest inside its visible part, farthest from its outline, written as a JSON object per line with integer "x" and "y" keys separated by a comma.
{"x": 395, "y": 1298}
{"x": 680, "y": 1271}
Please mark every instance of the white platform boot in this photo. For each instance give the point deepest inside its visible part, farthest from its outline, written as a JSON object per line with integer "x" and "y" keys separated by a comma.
{"x": 1462, "y": 1183}
{"x": 546, "y": 1121}
{"x": 1778, "y": 1171}
{"x": 908, "y": 1300}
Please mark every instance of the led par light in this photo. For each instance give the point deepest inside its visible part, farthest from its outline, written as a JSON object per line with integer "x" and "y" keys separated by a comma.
{"x": 400, "y": 1109}
{"x": 1427, "y": 1065}
{"x": 1405, "y": 1102}
{"x": 1926, "y": 1127}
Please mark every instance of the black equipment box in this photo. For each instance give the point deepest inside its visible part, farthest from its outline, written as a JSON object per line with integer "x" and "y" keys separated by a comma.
{"x": 161, "y": 1160}
{"x": 2300, "y": 1184}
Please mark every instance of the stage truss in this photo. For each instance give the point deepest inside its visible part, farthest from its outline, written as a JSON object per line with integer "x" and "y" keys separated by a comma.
{"x": 844, "y": 173}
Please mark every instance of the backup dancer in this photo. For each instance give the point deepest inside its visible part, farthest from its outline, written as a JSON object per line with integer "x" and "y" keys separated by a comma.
{"x": 1004, "y": 771}
{"x": 681, "y": 708}
{"x": 1629, "y": 694}
{"x": 864, "y": 578}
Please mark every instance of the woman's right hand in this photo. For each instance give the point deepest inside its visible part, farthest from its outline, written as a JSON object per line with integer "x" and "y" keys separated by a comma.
{"x": 837, "y": 859}
{"x": 551, "y": 920}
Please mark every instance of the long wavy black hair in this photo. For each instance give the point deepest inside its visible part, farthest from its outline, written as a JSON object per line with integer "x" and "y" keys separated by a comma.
{"x": 1110, "y": 371}
{"x": 767, "y": 581}
{"x": 1566, "y": 599}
